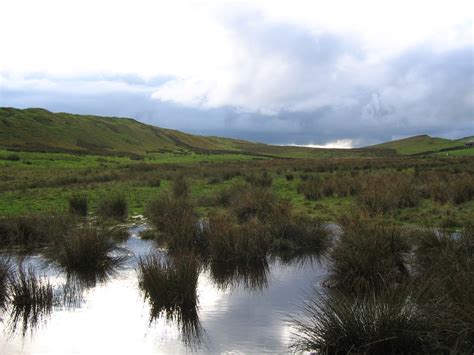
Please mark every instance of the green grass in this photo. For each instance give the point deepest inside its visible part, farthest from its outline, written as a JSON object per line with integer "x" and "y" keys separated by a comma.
{"x": 37, "y": 129}
{"x": 419, "y": 144}
{"x": 462, "y": 152}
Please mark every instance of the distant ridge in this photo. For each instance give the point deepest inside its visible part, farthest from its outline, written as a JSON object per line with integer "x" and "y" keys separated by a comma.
{"x": 37, "y": 129}
{"x": 420, "y": 144}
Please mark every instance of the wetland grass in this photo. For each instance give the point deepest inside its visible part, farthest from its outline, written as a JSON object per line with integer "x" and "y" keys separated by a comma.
{"x": 386, "y": 322}
{"x": 369, "y": 254}
{"x": 78, "y": 205}
{"x": 169, "y": 284}
{"x": 32, "y": 298}
{"x": 87, "y": 250}
{"x": 114, "y": 206}
{"x": 5, "y": 271}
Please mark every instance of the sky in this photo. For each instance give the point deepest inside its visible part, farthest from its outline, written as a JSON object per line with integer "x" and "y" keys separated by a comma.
{"x": 319, "y": 73}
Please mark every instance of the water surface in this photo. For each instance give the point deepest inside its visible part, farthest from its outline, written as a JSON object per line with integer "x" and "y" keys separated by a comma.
{"x": 246, "y": 313}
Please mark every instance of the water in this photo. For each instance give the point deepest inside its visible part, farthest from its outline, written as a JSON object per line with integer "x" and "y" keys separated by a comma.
{"x": 246, "y": 314}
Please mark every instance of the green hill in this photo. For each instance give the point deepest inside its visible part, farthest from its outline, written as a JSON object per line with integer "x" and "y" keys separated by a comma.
{"x": 37, "y": 129}
{"x": 420, "y": 145}
{"x": 466, "y": 139}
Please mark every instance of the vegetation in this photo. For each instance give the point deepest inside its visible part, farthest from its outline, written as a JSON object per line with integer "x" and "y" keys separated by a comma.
{"x": 174, "y": 217}
{"x": 87, "y": 251}
{"x": 382, "y": 301}
{"x": 401, "y": 261}
{"x": 448, "y": 263}
{"x": 113, "y": 205}
{"x": 169, "y": 284}
{"x": 78, "y": 205}
{"x": 389, "y": 322}
{"x": 40, "y": 130}
{"x": 421, "y": 144}
{"x": 32, "y": 230}
{"x": 368, "y": 254}
{"x": 32, "y": 298}
{"x": 4, "y": 279}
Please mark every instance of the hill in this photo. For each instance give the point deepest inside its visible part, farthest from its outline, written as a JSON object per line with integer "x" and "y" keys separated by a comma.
{"x": 36, "y": 129}
{"x": 422, "y": 144}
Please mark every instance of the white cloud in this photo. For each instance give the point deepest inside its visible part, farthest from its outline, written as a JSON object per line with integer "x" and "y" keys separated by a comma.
{"x": 301, "y": 67}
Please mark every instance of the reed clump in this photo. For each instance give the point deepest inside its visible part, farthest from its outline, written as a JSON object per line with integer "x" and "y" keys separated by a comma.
{"x": 86, "y": 250}
{"x": 175, "y": 220}
{"x": 169, "y": 283}
{"x": 368, "y": 254}
{"x": 446, "y": 260}
{"x": 227, "y": 240}
{"x": 385, "y": 193}
{"x": 114, "y": 205}
{"x": 33, "y": 230}
{"x": 78, "y": 205}
{"x": 386, "y": 322}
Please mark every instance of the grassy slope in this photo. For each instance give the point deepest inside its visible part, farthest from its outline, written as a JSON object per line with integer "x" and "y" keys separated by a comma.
{"x": 40, "y": 130}
{"x": 419, "y": 144}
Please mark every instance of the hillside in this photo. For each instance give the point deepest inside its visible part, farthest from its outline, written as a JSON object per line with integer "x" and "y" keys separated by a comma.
{"x": 37, "y": 129}
{"x": 420, "y": 144}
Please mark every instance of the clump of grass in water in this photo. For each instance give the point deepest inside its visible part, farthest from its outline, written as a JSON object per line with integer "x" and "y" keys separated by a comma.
{"x": 447, "y": 262}
{"x": 78, "y": 205}
{"x": 87, "y": 251}
{"x": 386, "y": 322}
{"x": 32, "y": 298}
{"x": 259, "y": 223}
{"x": 32, "y": 230}
{"x": 113, "y": 206}
{"x": 368, "y": 254}
{"x": 175, "y": 219}
{"x": 229, "y": 241}
{"x": 170, "y": 287}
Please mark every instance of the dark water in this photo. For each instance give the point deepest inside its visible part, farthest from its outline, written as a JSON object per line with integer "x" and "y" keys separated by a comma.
{"x": 243, "y": 314}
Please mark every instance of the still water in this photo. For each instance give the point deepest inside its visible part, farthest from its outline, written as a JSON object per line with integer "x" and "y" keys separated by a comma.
{"x": 246, "y": 314}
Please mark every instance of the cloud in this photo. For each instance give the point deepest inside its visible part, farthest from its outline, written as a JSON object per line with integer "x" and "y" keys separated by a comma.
{"x": 305, "y": 73}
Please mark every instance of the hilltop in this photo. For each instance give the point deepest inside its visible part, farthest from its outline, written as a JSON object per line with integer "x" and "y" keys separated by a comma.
{"x": 422, "y": 144}
{"x": 37, "y": 129}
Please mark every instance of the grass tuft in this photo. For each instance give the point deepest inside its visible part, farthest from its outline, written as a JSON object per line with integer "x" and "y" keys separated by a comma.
{"x": 113, "y": 206}
{"x": 78, "y": 205}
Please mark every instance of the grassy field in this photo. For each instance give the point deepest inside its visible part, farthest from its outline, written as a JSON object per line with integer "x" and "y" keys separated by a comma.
{"x": 232, "y": 206}
{"x": 32, "y": 182}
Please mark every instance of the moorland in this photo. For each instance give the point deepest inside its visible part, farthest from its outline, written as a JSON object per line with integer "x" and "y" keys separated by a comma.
{"x": 394, "y": 221}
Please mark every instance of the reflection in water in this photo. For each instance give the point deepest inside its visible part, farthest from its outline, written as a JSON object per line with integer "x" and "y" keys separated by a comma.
{"x": 32, "y": 299}
{"x": 111, "y": 316}
{"x": 187, "y": 319}
{"x": 4, "y": 275}
{"x": 169, "y": 284}
{"x": 252, "y": 276}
